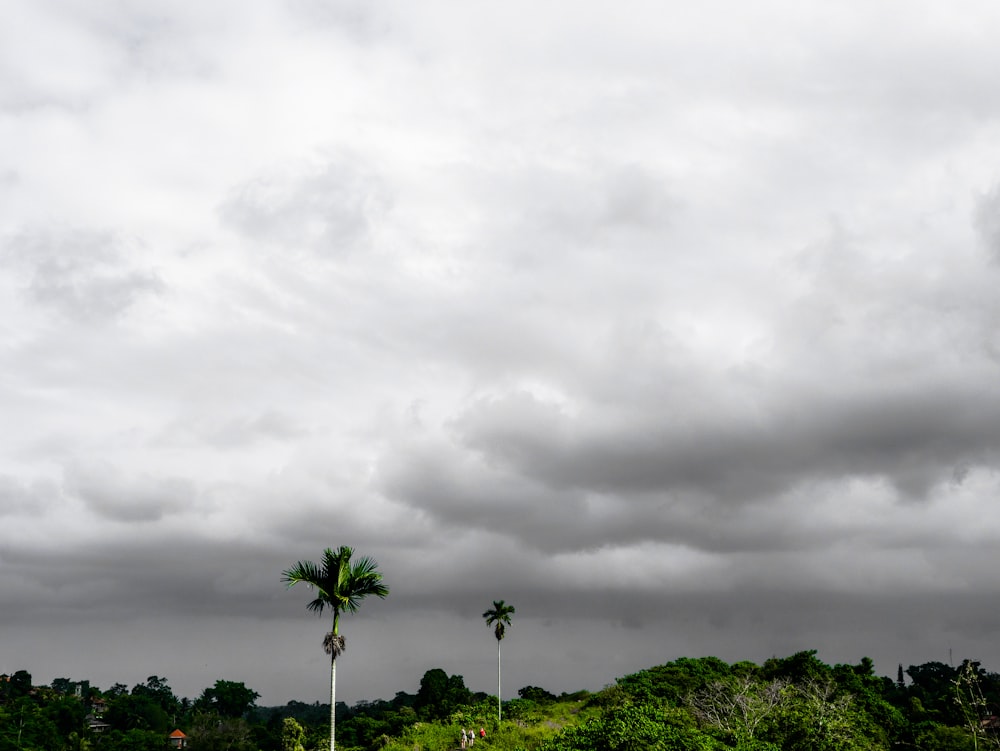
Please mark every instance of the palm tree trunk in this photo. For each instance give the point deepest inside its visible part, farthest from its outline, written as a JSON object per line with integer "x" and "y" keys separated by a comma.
{"x": 498, "y": 684}
{"x": 333, "y": 697}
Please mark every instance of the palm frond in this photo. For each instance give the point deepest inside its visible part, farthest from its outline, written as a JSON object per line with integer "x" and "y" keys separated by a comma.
{"x": 302, "y": 572}
{"x": 500, "y": 615}
{"x": 340, "y": 584}
{"x": 317, "y": 605}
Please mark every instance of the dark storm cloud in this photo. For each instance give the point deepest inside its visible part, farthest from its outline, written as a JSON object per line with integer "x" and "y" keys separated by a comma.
{"x": 138, "y": 572}
{"x": 107, "y": 493}
{"x": 911, "y": 439}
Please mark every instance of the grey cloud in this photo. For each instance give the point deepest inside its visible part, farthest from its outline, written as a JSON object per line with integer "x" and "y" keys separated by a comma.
{"x": 83, "y": 274}
{"x": 152, "y": 572}
{"x": 154, "y": 45}
{"x": 584, "y": 206}
{"x": 518, "y": 465}
{"x": 590, "y": 199}
{"x": 731, "y": 457}
{"x": 362, "y": 23}
{"x": 464, "y": 492}
{"x": 329, "y": 208}
{"x": 269, "y": 425}
{"x": 987, "y": 222}
{"x": 32, "y": 75}
{"x": 235, "y": 432}
{"x": 113, "y": 495}
{"x": 25, "y": 498}
{"x": 77, "y": 62}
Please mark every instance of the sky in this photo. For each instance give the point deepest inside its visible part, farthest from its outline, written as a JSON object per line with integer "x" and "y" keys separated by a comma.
{"x": 675, "y": 326}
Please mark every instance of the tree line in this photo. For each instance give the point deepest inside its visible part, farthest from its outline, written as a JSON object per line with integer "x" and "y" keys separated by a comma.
{"x": 795, "y": 703}
{"x": 72, "y": 715}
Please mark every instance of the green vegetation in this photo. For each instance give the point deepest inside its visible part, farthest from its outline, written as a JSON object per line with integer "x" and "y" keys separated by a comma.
{"x": 795, "y": 703}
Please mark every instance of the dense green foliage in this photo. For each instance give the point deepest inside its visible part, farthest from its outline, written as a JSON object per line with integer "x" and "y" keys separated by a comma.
{"x": 795, "y": 703}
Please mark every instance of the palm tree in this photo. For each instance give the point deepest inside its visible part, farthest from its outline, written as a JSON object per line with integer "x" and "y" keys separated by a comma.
{"x": 499, "y": 615}
{"x": 340, "y": 585}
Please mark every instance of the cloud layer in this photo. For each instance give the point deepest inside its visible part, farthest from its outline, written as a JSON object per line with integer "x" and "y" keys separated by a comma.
{"x": 675, "y": 327}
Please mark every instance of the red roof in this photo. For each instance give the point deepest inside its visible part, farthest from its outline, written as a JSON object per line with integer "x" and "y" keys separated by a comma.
{"x": 177, "y": 734}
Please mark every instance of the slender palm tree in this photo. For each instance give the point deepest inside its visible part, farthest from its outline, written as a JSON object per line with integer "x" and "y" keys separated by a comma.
{"x": 340, "y": 585}
{"x": 499, "y": 617}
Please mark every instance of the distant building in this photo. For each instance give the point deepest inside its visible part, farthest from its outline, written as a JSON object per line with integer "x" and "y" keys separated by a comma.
{"x": 178, "y": 739}
{"x": 96, "y": 724}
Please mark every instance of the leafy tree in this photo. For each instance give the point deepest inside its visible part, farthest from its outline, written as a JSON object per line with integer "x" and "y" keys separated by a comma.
{"x": 499, "y": 617}
{"x": 212, "y": 732}
{"x": 293, "y": 735}
{"x": 18, "y": 685}
{"x": 943, "y": 738}
{"x": 801, "y": 667}
{"x": 136, "y": 712}
{"x": 440, "y": 695}
{"x": 131, "y": 740}
{"x": 631, "y": 728}
{"x": 227, "y": 699}
{"x": 118, "y": 689}
{"x": 340, "y": 585}
{"x": 675, "y": 681}
{"x": 930, "y": 683}
{"x": 819, "y": 717}
{"x": 67, "y": 714}
{"x": 536, "y": 694}
{"x": 77, "y": 742}
{"x": 64, "y": 686}
{"x": 430, "y": 701}
{"x": 878, "y": 719}
{"x": 23, "y": 725}
{"x": 973, "y": 706}
{"x": 737, "y": 706}
{"x": 158, "y": 691}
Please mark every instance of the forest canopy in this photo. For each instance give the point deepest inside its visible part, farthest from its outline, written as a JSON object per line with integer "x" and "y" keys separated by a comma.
{"x": 794, "y": 703}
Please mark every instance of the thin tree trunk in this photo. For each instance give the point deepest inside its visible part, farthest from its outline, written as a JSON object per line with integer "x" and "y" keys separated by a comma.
{"x": 333, "y": 697}
{"x": 498, "y": 684}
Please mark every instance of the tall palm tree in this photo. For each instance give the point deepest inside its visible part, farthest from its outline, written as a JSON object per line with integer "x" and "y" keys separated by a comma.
{"x": 340, "y": 585}
{"x": 499, "y": 617}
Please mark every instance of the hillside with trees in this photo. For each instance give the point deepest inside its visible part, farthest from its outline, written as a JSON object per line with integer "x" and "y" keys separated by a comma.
{"x": 795, "y": 703}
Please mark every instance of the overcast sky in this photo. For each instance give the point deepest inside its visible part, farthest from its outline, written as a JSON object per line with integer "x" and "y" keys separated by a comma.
{"x": 674, "y": 325}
